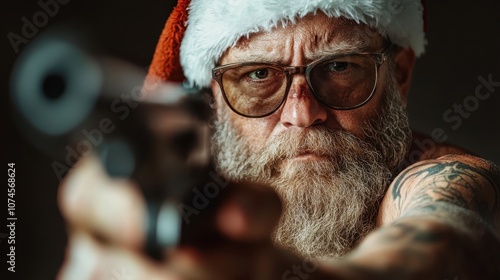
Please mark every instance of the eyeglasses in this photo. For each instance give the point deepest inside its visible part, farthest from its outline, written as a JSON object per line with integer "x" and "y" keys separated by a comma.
{"x": 341, "y": 82}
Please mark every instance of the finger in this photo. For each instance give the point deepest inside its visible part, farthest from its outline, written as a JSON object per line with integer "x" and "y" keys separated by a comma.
{"x": 111, "y": 208}
{"x": 81, "y": 259}
{"x": 238, "y": 260}
{"x": 250, "y": 213}
{"x": 89, "y": 259}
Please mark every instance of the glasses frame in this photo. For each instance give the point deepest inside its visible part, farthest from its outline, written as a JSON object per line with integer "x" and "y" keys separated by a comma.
{"x": 378, "y": 57}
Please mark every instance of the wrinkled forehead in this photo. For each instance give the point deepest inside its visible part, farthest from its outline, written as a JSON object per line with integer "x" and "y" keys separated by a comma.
{"x": 314, "y": 35}
{"x": 213, "y": 26}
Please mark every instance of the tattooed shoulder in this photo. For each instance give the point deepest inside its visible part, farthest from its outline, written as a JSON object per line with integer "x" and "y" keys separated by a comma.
{"x": 461, "y": 181}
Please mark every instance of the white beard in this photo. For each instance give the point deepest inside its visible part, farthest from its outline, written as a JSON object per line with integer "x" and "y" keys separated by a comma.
{"x": 330, "y": 203}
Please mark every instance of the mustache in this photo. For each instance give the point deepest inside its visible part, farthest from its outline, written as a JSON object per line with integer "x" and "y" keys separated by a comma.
{"x": 318, "y": 140}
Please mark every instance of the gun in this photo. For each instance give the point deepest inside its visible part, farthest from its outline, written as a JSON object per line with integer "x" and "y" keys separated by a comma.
{"x": 71, "y": 100}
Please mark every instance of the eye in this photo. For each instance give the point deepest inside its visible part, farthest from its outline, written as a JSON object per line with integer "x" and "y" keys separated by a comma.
{"x": 259, "y": 74}
{"x": 337, "y": 66}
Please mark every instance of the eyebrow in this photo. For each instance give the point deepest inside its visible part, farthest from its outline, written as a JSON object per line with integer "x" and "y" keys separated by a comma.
{"x": 352, "y": 42}
{"x": 338, "y": 48}
{"x": 334, "y": 49}
{"x": 260, "y": 57}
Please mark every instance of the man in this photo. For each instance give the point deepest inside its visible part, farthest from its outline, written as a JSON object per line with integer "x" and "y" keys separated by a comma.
{"x": 309, "y": 99}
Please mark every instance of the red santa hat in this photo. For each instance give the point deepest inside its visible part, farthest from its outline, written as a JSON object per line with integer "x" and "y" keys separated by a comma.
{"x": 198, "y": 32}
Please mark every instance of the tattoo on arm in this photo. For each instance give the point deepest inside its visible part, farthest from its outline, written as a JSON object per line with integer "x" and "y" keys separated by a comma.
{"x": 441, "y": 224}
{"x": 453, "y": 182}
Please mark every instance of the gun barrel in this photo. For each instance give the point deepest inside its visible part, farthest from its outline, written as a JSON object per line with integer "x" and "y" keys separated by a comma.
{"x": 72, "y": 97}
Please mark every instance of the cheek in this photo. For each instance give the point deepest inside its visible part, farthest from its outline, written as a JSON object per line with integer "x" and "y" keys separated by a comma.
{"x": 353, "y": 121}
{"x": 356, "y": 120}
{"x": 218, "y": 100}
{"x": 255, "y": 131}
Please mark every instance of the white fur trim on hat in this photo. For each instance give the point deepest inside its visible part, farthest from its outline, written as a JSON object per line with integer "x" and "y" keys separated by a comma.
{"x": 215, "y": 25}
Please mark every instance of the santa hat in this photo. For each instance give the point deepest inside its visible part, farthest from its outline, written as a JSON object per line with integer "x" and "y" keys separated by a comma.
{"x": 198, "y": 32}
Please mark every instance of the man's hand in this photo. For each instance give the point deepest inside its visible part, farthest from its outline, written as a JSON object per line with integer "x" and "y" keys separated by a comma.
{"x": 106, "y": 235}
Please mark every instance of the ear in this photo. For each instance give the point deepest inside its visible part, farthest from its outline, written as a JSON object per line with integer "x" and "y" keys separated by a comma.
{"x": 404, "y": 61}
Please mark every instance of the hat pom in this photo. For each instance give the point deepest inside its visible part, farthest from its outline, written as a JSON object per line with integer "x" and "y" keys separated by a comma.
{"x": 165, "y": 65}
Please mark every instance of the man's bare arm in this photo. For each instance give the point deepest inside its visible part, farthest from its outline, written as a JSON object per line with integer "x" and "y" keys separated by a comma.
{"x": 440, "y": 219}
{"x": 429, "y": 237}
{"x": 464, "y": 181}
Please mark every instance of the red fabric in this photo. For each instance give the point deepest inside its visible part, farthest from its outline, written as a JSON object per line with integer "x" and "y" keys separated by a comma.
{"x": 165, "y": 65}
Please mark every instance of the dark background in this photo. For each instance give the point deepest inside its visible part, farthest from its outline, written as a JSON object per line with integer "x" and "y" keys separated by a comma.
{"x": 464, "y": 43}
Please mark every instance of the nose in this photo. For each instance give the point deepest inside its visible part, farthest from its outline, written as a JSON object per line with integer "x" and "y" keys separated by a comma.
{"x": 301, "y": 108}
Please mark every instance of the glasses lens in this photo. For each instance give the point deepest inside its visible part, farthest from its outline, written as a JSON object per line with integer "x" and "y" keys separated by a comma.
{"x": 344, "y": 81}
{"x": 254, "y": 90}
